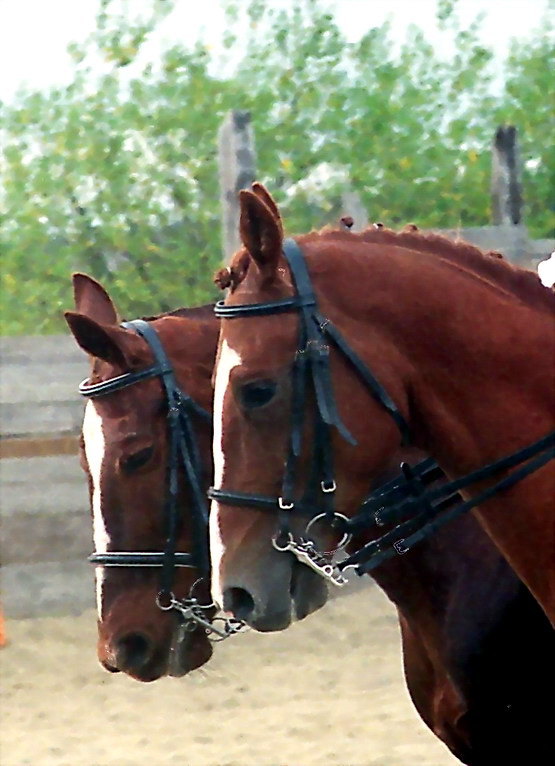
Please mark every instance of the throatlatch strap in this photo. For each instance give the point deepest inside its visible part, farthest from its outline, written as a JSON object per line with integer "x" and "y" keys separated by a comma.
{"x": 164, "y": 367}
{"x": 371, "y": 382}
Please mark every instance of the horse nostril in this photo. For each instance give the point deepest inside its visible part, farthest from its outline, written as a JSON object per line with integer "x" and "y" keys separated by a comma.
{"x": 239, "y": 602}
{"x": 133, "y": 651}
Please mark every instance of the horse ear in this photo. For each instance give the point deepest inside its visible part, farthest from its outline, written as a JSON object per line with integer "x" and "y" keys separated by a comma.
{"x": 260, "y": 233}
{"x": 111, "y": 343}
{"x": 92, "y": 300}
{"x": 262, "y": 192}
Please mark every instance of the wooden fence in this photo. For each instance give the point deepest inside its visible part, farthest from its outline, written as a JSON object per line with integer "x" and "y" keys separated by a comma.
{"x": 508, "y": 234}
{"x": 46, "y": 531}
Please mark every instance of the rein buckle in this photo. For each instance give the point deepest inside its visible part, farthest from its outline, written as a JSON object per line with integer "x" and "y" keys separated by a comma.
{"x": 285, "y": 506}
{"x": 400, "y": 547}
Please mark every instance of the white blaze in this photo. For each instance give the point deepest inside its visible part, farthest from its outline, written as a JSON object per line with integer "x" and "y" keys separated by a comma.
{"x": 93, "y": 438}
{"x": 227, "y": 360}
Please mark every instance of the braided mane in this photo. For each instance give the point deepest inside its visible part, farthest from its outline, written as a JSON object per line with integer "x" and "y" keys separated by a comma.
{"x": 523, "y": 283}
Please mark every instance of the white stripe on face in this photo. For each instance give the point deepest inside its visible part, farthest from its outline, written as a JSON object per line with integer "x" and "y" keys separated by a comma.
{"x": 227, "y": 360}
{"x": 93, "y": 438}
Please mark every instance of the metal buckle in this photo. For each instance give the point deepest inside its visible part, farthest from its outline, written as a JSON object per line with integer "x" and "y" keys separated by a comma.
{"x": 331, "y": 487}
{"x": 400, "y": 547}
{"x": 285, "y": 506}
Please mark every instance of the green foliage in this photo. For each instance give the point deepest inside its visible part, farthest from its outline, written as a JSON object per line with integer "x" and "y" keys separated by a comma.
{"x": 116, "y": 174}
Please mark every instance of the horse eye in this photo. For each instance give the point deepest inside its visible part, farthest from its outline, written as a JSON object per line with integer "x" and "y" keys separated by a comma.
{"x": 137, "y": 460}
{"x": 257, "y": 394}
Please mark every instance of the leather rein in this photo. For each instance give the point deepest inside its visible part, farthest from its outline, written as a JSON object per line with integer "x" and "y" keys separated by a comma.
{"x": 408, "y": 502}
{"x": 183, "y": 454}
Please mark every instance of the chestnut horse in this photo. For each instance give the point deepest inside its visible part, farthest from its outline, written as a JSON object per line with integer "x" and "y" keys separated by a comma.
{"x": 124, "y": 452}
{"x": 430, "y": 340}
{"x": 447, "y": 331}
{"x": 465, "y": 618}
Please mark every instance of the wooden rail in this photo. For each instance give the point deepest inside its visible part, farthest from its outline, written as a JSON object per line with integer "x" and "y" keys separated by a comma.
{"x": 41, "y": 446}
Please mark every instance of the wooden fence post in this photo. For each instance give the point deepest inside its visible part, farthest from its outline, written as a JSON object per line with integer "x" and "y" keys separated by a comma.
{"x": 506, "y": 193}
{"x": 237, "y": 165}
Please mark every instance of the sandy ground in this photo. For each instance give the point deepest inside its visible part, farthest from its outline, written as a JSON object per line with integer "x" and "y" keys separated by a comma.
{"x": 329, "y": 691}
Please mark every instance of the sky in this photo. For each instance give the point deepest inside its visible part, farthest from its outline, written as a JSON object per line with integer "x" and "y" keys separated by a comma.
{"x": 34, "y": 34}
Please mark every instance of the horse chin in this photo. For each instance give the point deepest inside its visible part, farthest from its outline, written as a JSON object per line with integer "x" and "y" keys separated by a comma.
{"x": 309, "y": 591}
{"x": 176, "y": 656}
{"x": 189, "y": 650}
{"x": 110, "y": 668}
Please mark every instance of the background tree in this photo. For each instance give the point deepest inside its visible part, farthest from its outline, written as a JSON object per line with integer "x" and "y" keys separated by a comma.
{"x": 116, "y": 173}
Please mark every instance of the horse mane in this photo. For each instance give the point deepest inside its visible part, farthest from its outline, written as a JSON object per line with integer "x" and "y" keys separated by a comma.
{"x": 491, "y": 264}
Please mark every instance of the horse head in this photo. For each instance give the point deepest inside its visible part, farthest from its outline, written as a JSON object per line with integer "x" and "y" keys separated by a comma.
{"x": 125, "y": 453}
{"x": 264, "y": 399}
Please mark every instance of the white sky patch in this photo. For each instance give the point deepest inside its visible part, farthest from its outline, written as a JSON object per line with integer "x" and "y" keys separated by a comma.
{"x": 32, "y": 31}
{"x": 546, "y": 271}
{"x": 93, "y": 437}
{"x": 227, "y": 360}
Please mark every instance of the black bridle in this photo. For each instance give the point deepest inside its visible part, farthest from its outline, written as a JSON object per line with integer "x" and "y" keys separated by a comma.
{"x": 407, "y": 497}
{"x": 183, "y": 454}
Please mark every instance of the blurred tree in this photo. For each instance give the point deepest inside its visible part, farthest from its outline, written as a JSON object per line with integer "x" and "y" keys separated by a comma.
{"x": 116, "y": 174}
{"x": 528, "y": 103}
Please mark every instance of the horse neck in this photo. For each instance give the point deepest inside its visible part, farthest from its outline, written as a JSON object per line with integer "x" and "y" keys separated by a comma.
{"x": 465, "y": 343}
{"x": 191, "y": 343}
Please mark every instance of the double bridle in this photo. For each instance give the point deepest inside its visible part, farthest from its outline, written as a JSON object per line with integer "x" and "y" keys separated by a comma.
{"x": 407, "y": 497}
{"x": 183, "y": 453}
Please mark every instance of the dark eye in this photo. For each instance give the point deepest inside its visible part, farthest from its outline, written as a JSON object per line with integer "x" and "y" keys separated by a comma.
{"x": 136, "y": 460}
{"x": 257, "y": 394}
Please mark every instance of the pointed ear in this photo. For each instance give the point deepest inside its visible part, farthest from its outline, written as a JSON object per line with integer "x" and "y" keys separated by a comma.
{"x": 260, "y": 233}
{"x": 263, "y": 193}
{"x": 92, "y": 300}
{"x": 111, "y": 343}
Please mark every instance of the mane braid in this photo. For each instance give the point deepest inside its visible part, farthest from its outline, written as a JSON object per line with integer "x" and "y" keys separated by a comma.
{"x": 522, "y": 282}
